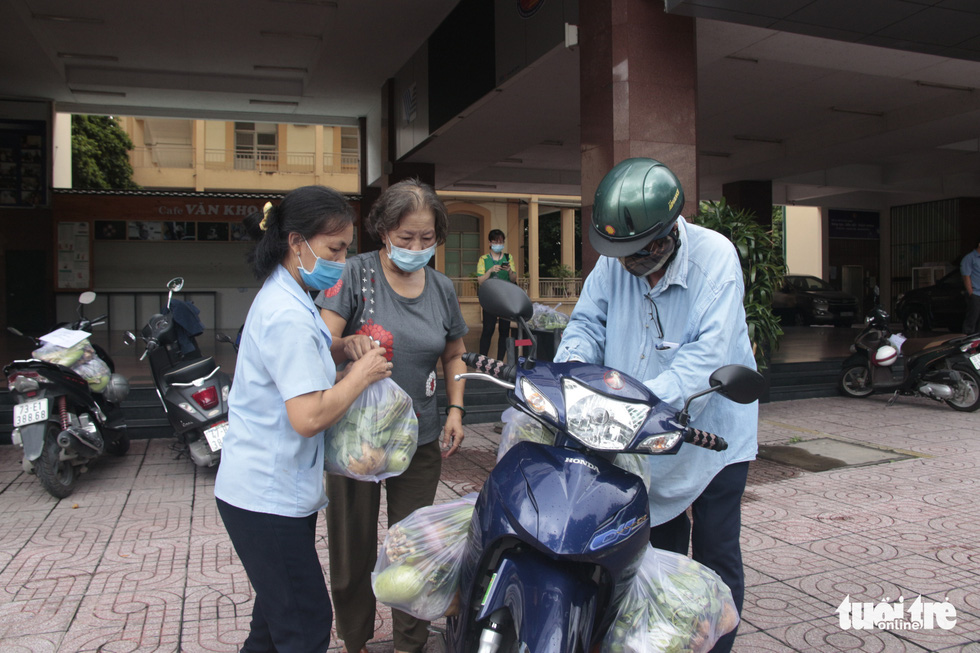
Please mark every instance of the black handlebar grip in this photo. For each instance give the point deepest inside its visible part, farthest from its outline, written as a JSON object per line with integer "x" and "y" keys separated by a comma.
{"x": 704, "y": 439}
{"x": 490, "y": 366}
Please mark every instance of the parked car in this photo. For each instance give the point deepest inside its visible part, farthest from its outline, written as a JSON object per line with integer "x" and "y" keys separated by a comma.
{"x": 942, "y": 305}
{"x": 804, "y": 300}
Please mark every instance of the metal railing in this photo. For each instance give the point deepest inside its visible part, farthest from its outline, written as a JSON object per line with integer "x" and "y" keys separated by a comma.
{"x": 182, "y": 156}
{"x": 548, "y": 287}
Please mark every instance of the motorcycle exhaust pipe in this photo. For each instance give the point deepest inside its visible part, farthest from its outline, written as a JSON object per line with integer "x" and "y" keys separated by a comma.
{"x": 78, "y": 444}
{"x": 937, "y": 390}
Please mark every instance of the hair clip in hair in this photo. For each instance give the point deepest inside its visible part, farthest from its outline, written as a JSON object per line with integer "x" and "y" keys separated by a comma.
{"x": 266, "y": 210}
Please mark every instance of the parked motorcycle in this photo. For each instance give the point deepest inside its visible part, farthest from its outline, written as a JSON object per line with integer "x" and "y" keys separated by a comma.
{"x": 558, "y": 531}
{"x": 944, "y": 369}
{"x": 191, "y": 387}
{"x": 67, "y": 411}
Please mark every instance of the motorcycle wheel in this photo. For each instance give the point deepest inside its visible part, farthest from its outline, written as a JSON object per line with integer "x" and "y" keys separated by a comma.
{"x": 855, "y": 381}
{"x": 119, "y": 446}
{"x": 967, "y": 395}
{"x": 57, "y": 476}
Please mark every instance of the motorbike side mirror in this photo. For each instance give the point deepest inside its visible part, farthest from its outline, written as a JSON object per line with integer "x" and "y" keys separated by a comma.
{"x": 86, "y": 297}
{"x": 220, "y": 337}
{"x": 738, "y": 383}
{"x": 175, "y": 284}
{"x": 508, "y": 301}
{"x": 129, "y": 338}
{"x": 741, "y": 384}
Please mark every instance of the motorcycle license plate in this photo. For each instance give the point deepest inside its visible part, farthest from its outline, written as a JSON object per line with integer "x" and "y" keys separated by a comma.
{"x": 975, "y": 359}
{"x": 216, "y": 435}
{"x": 30, "y": 412}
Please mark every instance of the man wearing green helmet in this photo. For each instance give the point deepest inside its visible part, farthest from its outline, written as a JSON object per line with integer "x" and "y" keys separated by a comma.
{"x": 664, "y": 305}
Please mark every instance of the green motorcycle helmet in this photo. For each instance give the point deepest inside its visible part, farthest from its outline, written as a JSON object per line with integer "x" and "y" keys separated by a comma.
{"x": 637, "y": 201}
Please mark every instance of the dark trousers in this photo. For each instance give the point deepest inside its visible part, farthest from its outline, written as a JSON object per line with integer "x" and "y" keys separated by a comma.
{"x": 292, "y": 612}
{"x": 971, "y": 324}
{"x": 352, "y": 542}
{"x": 715, "y": 536}
{"x": 503, "y": 332}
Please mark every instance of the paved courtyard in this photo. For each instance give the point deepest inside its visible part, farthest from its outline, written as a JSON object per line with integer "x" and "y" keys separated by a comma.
{"x": 138, "y": 560}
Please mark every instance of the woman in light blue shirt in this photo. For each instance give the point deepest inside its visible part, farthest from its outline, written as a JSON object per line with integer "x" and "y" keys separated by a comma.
{"x": 269, "y": 486}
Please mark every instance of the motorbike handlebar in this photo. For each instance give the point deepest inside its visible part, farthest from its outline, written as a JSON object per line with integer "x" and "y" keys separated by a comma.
{"x": 704, "y": 439}
{"x": 490, "y": 366}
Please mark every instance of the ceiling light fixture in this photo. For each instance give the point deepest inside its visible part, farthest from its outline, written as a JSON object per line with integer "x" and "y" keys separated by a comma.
{"x": 758, "y": 139}
{"x": 67, "y": 19}
{"x": 281, "y": 69}
{"x": 284, "y": 103}
{"x": 331, "y": 4}
{"x": 291, "y": 35}
{"x": 87, "y": 57}
{"x": 948, "y": 87}
{"x": 79, "y": 91}
{"x": 735, "y": 57}
{"x": 859, "y": 112}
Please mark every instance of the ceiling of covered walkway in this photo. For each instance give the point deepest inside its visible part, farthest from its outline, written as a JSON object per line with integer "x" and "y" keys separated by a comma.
{"x": 839, "y": 103}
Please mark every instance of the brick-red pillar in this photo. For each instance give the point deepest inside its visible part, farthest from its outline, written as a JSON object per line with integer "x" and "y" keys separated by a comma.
{"x": 638, "y": 95}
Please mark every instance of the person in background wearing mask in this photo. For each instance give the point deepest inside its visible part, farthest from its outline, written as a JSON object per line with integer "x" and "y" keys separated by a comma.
{"x": 664, "y": 305}
{"x": 269, "y": 486}
{"x": 500, "y": 265}
{"x": 970, "y": 271}
{"x": 392, "y": 297}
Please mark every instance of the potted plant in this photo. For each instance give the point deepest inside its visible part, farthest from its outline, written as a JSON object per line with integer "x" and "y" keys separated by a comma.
{"x": 762, "y": 265}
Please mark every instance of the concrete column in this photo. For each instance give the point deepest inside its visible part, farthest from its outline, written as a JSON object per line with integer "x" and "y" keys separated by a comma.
{"x": 638, "y": 95}
{"x": 533, "y": 250}
{"x": 568, "y": 238}
{"x": 754, "y": 196}
{"x": 199, "y": 143}
{"x": 318, "y": 154}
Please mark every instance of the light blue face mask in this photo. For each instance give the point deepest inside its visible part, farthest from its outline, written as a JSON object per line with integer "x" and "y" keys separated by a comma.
{"x": 497, "y": 248}
{"x": 409, "y": 260}
{"x": 325, "y": 273}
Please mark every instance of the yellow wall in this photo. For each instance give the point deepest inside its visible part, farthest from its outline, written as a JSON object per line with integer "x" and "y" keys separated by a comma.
{"x": 804, "y": 240}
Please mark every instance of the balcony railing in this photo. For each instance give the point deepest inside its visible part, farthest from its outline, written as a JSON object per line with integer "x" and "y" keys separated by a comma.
{"x": 182, "y": 156}
{"x": 548, "y": 287}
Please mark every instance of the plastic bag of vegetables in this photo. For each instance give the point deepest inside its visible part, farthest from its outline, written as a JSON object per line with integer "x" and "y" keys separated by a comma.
{"x": 377, "y": 436}
{"x": 80, "y": 352}
{"x": 519, "y": 427}
{"x": 547, "y": 318}
{"x": 419, "y": 564}
{"x": 95, "y": 371}
{"x": 674, "y": 605}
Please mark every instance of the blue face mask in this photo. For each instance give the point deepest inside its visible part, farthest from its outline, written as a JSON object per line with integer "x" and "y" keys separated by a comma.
{"x": 325, "y": 273}
{"x": 497, "y": 248}
{"x": 409, "y": 260}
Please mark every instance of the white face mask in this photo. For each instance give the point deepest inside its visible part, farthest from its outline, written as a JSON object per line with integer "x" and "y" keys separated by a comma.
{"x": 409, "y": 260}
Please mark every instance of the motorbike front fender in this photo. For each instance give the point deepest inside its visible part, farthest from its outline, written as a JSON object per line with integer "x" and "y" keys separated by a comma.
{"x": 553, "y": 606}
{"x": 32, "y": 437}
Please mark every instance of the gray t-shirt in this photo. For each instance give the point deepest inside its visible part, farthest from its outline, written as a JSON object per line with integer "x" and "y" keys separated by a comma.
{"x": 414, "y": 331}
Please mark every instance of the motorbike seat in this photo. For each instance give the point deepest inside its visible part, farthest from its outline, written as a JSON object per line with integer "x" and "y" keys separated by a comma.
{"x": 914, "y": 346}
{"x": 190, "y": 371}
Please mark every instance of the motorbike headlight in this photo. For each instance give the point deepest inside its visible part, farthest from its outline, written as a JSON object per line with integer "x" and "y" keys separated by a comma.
{"x": 537, "y": 401}
{"x": 598, "y": 421}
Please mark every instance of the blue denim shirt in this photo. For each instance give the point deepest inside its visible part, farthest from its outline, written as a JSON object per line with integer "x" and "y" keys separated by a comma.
{"x": 266, "y": 466}
{"x": 699, "y": 305}
{"x": 970, "y": 267}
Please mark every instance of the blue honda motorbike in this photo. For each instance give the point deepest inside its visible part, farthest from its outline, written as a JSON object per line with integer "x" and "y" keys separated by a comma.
{"x": 558, "y": 532}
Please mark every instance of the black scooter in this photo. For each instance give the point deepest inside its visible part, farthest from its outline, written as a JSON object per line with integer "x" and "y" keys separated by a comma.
{"x": 945, "y": 369}
{"x": 60, "y": 421}
{"x": 192, "y": 388}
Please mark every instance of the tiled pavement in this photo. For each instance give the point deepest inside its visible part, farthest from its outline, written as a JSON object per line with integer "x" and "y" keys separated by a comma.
{"x": 137, "y": 559}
